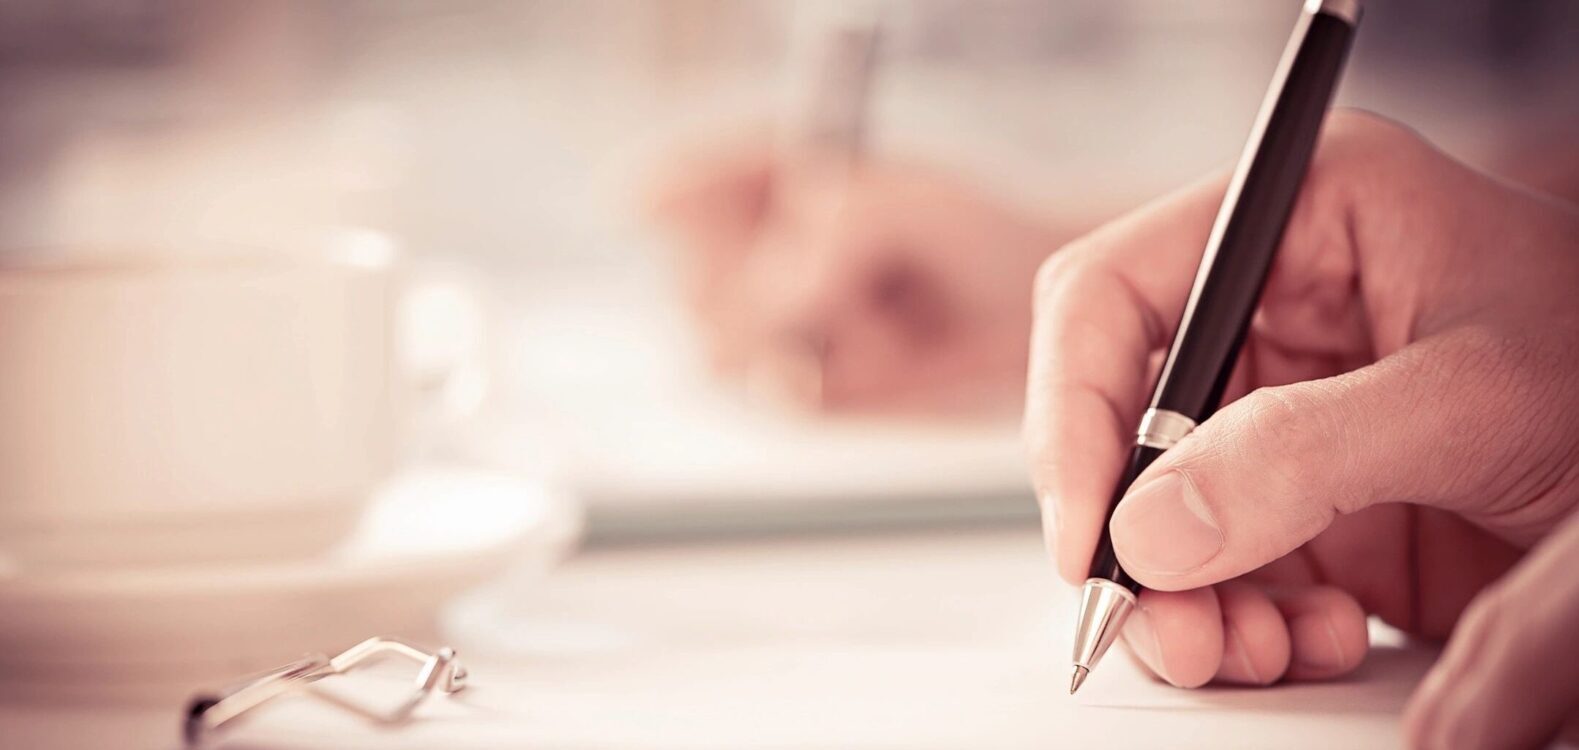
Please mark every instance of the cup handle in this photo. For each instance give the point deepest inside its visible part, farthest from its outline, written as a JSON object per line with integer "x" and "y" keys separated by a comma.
{"x": 441, "y": 350}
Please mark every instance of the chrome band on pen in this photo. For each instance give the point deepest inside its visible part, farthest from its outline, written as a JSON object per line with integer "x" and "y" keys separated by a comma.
{"x": 1346, "y": 10}
{"x": 1162, "y": 429}
{"x": 1113, "y": 587}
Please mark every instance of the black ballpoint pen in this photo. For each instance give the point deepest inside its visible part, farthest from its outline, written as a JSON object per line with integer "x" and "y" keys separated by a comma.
{"x": 1233, "y": 269}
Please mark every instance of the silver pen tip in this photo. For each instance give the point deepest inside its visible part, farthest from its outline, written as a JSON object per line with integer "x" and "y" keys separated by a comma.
{"x": 1104, "y": 605}
{"x": 1078, "y": 678}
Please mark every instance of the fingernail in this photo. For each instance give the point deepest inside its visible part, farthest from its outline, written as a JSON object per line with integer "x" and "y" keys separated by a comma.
{"x": 1050, "y": 520}
{"x": 1316, "y": 646}
{"x": 1142, "y": 639}
{"x": 1236, "y": 660}
{"x": 1050, "y": 525}
{"x": 1163, "y": 527}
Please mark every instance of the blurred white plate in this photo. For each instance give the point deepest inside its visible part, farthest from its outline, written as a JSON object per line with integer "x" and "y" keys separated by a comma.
{"x": 155, "y": 633}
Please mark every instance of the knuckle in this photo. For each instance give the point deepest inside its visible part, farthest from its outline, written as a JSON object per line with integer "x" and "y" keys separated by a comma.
{"x": 1037, "y": 438}
{"x": 1482, "y": 628}
{"x": 1356, "y": 144}
{"x": 1287, "y": 434}
{"x": 1359, "y": 154}
{"x": 1359, "y": 130}
{"x": 1275, "y": 425}
{"x": 1055, "y": 272}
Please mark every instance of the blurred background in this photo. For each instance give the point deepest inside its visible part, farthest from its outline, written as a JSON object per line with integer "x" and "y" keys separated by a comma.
{"x": 531, "y": 208}
{"x": 509, "y": 143}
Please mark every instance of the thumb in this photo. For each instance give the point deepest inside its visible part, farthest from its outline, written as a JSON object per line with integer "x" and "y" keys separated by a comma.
{"x": 1272, "y": 470}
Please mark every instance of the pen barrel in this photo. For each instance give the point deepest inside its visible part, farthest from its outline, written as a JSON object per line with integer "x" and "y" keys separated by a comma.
{"x": 1242, "y": 245}
{"x": 1105, "y": 562}
{"x": 1249, "y": 226}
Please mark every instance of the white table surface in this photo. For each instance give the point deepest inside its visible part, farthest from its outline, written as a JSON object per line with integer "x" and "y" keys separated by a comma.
{"x": 944, "y": 638}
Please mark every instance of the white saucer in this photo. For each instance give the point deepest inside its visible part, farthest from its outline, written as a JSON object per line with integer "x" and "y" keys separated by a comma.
{"x": 156, "y": 633}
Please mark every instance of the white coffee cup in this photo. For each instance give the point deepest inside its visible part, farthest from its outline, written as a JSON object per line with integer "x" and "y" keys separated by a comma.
{"x": 155, "y": 409}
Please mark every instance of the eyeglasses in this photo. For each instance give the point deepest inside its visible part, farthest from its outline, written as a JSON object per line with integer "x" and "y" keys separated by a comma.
{"x": 440, "y": 673}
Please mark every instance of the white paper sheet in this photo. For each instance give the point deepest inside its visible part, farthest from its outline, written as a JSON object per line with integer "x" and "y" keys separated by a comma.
{"x": 944, "y": 640}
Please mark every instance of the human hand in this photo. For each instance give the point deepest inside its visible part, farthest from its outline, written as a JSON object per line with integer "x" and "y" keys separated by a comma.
{"x": 908, "y": 290}
{"x": 1399, "y": 431}
{"x": 1508, "y": 676}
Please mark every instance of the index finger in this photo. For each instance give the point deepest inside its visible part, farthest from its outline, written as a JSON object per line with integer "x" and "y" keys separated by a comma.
{"x": 1103, "y": 306}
